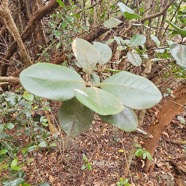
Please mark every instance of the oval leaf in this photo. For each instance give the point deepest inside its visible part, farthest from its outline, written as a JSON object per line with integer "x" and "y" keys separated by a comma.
{"x": 85, "y": 54}
{"x": 155, "y": 39}
{"x": 134, "y": 91}
{"x": 125, "y": 120}
{"x": 137, "y": 40}
{"x": 100, "y": 101}
{"x": 51, "y": 81}
{"x": 178, "y": 51}
{"x": 130, "y": 16}
{"x": 104, "y": 52}
{"x": 127, "y": 12}
{"x": 112, "y": 23}
{"x": 124, "y": 8}
{"x": 134, "y": 58}
{"x": 74, "y": 118}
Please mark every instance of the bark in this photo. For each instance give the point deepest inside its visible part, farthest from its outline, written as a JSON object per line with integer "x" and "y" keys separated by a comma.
{"x": 12, "y": 28}
{"x": 33, "y": 22}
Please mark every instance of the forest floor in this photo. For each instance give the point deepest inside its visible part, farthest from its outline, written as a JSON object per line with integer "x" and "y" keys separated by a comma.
{"x": 110, "y": 154}
{"x": 110, "y": 151}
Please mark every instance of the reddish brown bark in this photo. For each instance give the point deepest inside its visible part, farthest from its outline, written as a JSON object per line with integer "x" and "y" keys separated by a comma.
{"x": 169, "y": 110}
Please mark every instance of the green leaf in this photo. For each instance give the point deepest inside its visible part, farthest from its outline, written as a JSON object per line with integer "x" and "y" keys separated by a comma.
{"x": 155, "y": 39}
{"x": 4, "y": 136}
{"x": 149, "y": 156}
{"x": 134, "y": 91}
{"x": 98, "y": 100}
{"x": 28, "y": 97}
{"x": 125, "y": 120}
{"x": 16, "y": 182}
{"x": 74, "y": 118}
{"x": 137, "y": 40}
{"x": 61, "y": 3}
{"x": 85, "y": 54}
{"x": 127, "y": 12}
{"x": 32, "y": 148}
{"x": 130, "y": 16}
{"x": 51, "y": 81}
{"x": 134, "y": 58}
{"x": 43, "y": 144}
{"x": 178, "y": 51}
{"x": 14, "y": 165}
{"x": 112, "y": 23}
{"x": 178, "y": 30}
{"x": 3, "y": 151}
{"x": 10, "y": 126}
{"x": 139, "y": 152}
{"x": 104, "y": 52}
{"x": 124, "y": 8}
{"x": 83, "y": 167}
{"x": 181, "y": 119}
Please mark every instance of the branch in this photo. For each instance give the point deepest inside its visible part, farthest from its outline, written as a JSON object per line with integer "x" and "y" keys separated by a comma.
{"x": 9, "y": 79}
{"x": 12, "y": 28}
{"x": 35, "y": 19}
{"x": 159, "y": 13}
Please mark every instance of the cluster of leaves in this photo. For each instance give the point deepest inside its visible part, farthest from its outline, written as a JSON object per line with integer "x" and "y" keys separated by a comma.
{"x": 141, "y": 152}
{"x": 87, "y": 165}
{"x": 123, "y": 182}
{"x": 19, "y": 121}
{"x": 113, "y": 99}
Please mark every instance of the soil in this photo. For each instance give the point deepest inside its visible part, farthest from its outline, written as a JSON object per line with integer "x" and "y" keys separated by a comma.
{"x": 110, "y": 152}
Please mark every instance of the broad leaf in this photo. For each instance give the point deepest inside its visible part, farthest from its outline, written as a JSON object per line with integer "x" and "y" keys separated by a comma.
{"x": 51, "y": 81}
{"x": 134, "y": 58}
{"x": 130, "y": 16}
{"x": 178, "y": 51}
{"x": 112, "y": 23}
{"x": 123, "y": 8}
{"x": 127, "y": 12}
{"x": 74, "y": 118}
{"x": 125, "y": 120}
{"x": 85, "y": 54}
{"x": 104, "y": 52}
{"x": 155, "y": 39}
{"x": 100, "y": 101}
{"x": 134, "y": 91}
{"x": 137, "y": 40}
{"x": 15, "y": 182}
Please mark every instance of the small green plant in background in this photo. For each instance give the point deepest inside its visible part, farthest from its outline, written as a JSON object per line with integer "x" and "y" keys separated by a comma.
{"x": 87, "y": 165}
{"x": 141, "y": 152}
{"x": 123, "y": 182}
{"x": 22, "y": 117}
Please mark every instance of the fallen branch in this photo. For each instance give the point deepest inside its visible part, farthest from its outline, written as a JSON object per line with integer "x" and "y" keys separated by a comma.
{"x": 9, "y": 79}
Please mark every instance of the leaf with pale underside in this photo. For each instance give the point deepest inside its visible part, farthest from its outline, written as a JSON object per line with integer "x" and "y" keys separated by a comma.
{"x": 74, "y": 118}
{"x": 134, "y": 91}
{"x": 125, "y": 120}
{"x": 112, "y": 23}
{"x": 104, "y": 52}
{"x": 127, "y": 12}
{"x": 178, "y": 51}
{"x": 134, "y": 58}
{"x": 137, "y": 40}
{"x": 51, "y": 81}
{"x": 85, "y": 54}
{"x": 98, "y": 100}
